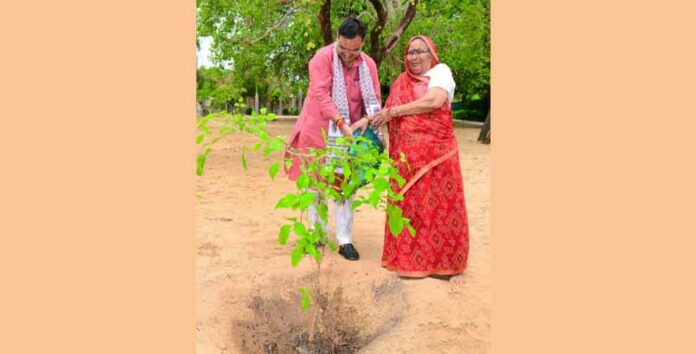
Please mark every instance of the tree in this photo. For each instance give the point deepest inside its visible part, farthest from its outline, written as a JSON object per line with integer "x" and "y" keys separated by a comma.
{"x": 397, "y": 14}
{"x": 259, "y": 38}
{"x": 263, "y": 38}
{"x": 217, "y": 86}
{"x": 461, "y": 32}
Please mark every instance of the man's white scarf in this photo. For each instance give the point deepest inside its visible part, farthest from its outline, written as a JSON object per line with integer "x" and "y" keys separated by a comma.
{"x": 339, "y": 96}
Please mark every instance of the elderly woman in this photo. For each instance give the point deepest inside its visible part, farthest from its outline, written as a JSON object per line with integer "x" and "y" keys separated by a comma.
{"x": 419, "y": 117}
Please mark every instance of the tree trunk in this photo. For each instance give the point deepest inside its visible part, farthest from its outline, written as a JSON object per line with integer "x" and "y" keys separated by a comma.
{"x": 325, "y": 22}
{"x": 380, "y": 52}
{"x": 299, "y": 101}
{"x": 256, "y": 101}
{"x": 377, "y": 30}
{"x": 485, "y": 134}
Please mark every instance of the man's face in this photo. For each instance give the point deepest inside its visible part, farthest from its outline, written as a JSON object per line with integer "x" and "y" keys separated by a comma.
{"x": 348, "y": 49}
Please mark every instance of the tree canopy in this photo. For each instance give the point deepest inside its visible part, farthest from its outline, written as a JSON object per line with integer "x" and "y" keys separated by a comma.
{"x": 267, "y": 44}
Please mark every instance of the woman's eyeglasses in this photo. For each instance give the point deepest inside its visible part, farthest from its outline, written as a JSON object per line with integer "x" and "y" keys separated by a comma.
{"x": 417, "y": 52}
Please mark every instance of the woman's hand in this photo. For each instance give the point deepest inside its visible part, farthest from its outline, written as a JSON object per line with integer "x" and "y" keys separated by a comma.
{"x": 361, "y": 124}
{"x": 382, "y": 117}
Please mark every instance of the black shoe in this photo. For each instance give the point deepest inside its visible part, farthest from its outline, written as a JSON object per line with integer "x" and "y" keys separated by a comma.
{"x": 348, "y": 252}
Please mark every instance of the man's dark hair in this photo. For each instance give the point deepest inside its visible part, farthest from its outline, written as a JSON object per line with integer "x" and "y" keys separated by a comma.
{"x": 352, "y": 27}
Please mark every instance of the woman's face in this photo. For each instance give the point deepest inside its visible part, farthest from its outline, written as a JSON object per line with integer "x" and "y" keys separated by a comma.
{"x": 419, "y": 57}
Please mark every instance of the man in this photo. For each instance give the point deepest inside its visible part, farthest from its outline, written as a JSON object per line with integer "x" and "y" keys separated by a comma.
{"x": 342, "y": 82}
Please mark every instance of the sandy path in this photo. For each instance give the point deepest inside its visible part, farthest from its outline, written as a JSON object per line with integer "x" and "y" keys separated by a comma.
{"x": 239, "y": 259}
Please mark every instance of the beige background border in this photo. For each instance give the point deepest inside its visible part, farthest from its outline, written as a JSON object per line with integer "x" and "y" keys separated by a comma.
{"x": 593, "y": 177}
{"x": 97, "y": 180}
{"x": 593, "y": 180}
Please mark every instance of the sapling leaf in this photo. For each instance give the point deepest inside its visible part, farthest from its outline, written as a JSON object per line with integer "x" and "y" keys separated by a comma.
{"x": 306, "y": 199}
{"x": 346, "y": 170}
{"x": 399, "y": 180}
{"x": 313, "y": 252}
{"x": 200, "y": 163}
{"x": 356, "y": 204}
{"x": 380, "y": 184}
{"x": 411, "y": 230}
{"x": 288, "y": 201}
{"x": 306, "y": 299}
{"x": 302, "y": 181}
{"x": 323, "y": 211}
{"x": 283, "y": 235}
{"x": 296, "y": 256}
{"x": 205, "y": 130}
{"x": 300, "y": 229}
{"x": 396, "y": 223}
{"x": 273, "y": 170}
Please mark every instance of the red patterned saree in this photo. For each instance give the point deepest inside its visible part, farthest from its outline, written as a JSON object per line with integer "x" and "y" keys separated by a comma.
{"x": 433, "y": 193}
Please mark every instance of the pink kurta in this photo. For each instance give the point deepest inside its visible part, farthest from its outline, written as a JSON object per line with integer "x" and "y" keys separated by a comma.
{"x": 318, "y": 106}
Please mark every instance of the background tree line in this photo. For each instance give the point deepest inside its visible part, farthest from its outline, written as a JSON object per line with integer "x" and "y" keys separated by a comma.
{"x": 264, "y": 46}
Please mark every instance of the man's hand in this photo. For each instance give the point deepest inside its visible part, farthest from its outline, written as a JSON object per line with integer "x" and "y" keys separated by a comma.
{"x": 361, "y": 124}
{"x": 346, "y": 131}
{"x": 343, "y": 127}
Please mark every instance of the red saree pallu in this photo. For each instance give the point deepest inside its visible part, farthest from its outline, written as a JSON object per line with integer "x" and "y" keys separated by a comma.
{"x": 433, "y": 194}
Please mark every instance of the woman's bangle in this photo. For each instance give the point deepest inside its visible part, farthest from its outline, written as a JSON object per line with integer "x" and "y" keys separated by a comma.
{"x": 341, "y": 123}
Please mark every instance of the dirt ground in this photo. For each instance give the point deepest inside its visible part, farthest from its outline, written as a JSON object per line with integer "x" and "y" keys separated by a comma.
{"x": 247, "y": 293}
